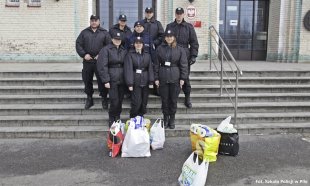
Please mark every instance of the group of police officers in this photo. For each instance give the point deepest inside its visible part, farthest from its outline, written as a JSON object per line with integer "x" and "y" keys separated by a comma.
{"x": 126, "y": 62}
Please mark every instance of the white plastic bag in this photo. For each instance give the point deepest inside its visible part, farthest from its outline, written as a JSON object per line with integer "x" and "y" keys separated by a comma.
{"x": 136, "y": 142}
{"x": 193, "y": 173}
{"x": 226, "y": 126}
{"x": 157, "y": 135}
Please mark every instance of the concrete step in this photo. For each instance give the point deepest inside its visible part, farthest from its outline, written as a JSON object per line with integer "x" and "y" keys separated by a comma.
{"x": 50, "y": 81}
{"x": 72, "y": 73}
{"x": 198, "y": 108}
{"x": 199, "y": 98}
{"x": 101, "y": 131}
{"x": 196, "y": 89}
{"x": 181, "y": 119}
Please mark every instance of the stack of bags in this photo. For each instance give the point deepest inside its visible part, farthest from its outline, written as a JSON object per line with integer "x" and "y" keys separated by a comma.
{"x": 206, "y": 144}
{"x": 135, "y": 137}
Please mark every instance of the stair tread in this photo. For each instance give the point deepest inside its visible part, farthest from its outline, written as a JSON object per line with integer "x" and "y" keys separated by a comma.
{"x": 193, "y": 86}
{"x": 155, "y": 105}
{"x": 178, "y": 127}
{"x": 10, "y": 96}
{"x": 178, "y": 116}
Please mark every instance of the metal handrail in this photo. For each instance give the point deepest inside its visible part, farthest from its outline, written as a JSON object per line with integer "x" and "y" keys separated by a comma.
{"x": 237, "y": 72}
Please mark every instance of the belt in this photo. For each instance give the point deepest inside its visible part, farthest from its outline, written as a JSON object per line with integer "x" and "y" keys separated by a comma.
{"x": 171, "y": 65}
{"x": 142, "y": 69}
{"x": 116, "y": 66}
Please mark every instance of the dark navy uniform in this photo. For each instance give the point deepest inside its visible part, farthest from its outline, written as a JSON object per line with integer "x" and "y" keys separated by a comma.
{"x": 187, "y": 39}
{"x": 171, "y": 66}
{"x": 139, "y": 74}
{"x": 110, "y": 67}
{"x": 90, "y": 42}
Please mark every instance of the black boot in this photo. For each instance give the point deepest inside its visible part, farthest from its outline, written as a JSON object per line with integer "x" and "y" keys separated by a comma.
{"x": 111, "y": 121}
{"x": 171, "y": 121}
{"x": 105, "y": 103}
{"x": 89, "y": 102}
{"x": 187, "y": 101}
{"x": 166, "y": 121}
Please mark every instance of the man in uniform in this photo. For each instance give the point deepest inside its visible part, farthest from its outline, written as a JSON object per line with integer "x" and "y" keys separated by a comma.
{"x": 186, "y": 38}
{"x": 88, "y": 45}
{"x": 122, "y": 28}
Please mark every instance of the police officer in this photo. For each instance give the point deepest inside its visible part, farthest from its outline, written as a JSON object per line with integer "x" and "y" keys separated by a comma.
{"x": 171, "y": 71}
{"x": 110, "y": 68}
{"x": 153, "y": 27}
{"x": 186, "y": 38}
{"x": 139, "y": 76}
{"x": 122, "y": 28}
{"x": 139, "y": 32}
{"x": 88, "y": 44}
{"x": 156, "y": 31}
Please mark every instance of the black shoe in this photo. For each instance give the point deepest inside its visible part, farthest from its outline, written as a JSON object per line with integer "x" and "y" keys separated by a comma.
{"x": 187, "y": 101}
{"x": 171, "y": 122}
{"x": 166, "y": 121}
{"x": 89, "y": 102}
{"x": 111, "y": 121}
{"x": 105, "y": 103}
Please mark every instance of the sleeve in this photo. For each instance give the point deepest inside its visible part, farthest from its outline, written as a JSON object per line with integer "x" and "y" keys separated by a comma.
{"x": 183, "y": 64}
{"x": 107, "y": 39}
{"x": 160, "y": 34}
{"x": 103, "y": 65}
{"x": 151, "y": 72}
{"x": 193, "y": 42}
{"x": 128, "y": 70}
{"x": 79, "y": 45}
{"x": 156, "y": 65}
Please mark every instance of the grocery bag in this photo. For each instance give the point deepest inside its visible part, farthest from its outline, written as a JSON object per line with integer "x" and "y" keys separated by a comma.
{"x": 194, "y": 172}
{"x": 137, "y": 140}
{"x": 115, "y": 138}
{"x": 205, "y": 141}
{"x": 157, "y": 135}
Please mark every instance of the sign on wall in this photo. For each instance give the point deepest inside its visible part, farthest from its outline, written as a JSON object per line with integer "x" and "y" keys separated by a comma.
{"x": 34, "y": 3}
{"x": 191, "y": 12}
{"x": 12, "y": 3}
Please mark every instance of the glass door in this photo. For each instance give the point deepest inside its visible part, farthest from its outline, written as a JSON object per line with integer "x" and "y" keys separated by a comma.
{"x": 243, "y": 27}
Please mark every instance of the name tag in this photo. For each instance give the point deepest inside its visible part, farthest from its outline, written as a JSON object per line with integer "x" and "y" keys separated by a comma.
{"x": 167, "y": 63}
{"x": 138, "y": 71}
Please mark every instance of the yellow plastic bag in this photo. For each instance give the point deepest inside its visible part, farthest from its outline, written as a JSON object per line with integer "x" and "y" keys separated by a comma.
{"x": 205, "y": 143}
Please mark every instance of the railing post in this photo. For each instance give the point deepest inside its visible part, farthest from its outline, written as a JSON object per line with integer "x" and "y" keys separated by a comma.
{"x": 236, "y": 98}
{"x": 210, "y": 48}
{"x": 222, "y": 58}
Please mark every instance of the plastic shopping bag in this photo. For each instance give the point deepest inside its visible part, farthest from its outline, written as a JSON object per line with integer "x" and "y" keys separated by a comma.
{"x": 205, "y": 141}
{"x": 157, "y": 135}
{"x": 115, "y": 138}
{"x": 136, "y": 142}
{"x": 194, "y": 172}
{"x": 146, "y": 122}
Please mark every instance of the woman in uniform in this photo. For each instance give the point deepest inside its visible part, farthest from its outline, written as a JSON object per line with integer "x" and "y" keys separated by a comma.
{"x": 171, "y": 70}
{"x": 110, "y": 67}
{"x": 139, "y": 76}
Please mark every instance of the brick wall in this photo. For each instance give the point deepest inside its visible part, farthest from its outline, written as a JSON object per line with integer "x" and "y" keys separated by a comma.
{"x": 45, "y": 33}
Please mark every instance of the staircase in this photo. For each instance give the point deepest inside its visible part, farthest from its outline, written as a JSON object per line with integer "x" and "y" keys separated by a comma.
{"x": 50, "y": 104}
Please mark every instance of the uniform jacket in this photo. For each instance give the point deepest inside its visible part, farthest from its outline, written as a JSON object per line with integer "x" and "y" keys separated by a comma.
{"x": 90, "y": 42}
{"x": 178, "y": 69}
{"x": 135, "y": 61}
{"x": 155, "y": 29}
{"x": 186, "y": 37}
{"x": 110, "y": 64}
{"x": 148, "y": 42}
{"x": 124, "y": 33}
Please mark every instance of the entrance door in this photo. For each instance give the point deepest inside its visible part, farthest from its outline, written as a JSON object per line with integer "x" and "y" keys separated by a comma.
{"x": 109, "y": 11}
{"x": 243, "y": 27}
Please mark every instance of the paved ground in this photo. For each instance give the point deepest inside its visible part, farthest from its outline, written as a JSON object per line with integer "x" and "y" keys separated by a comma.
{"x": 263, "y": 160}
